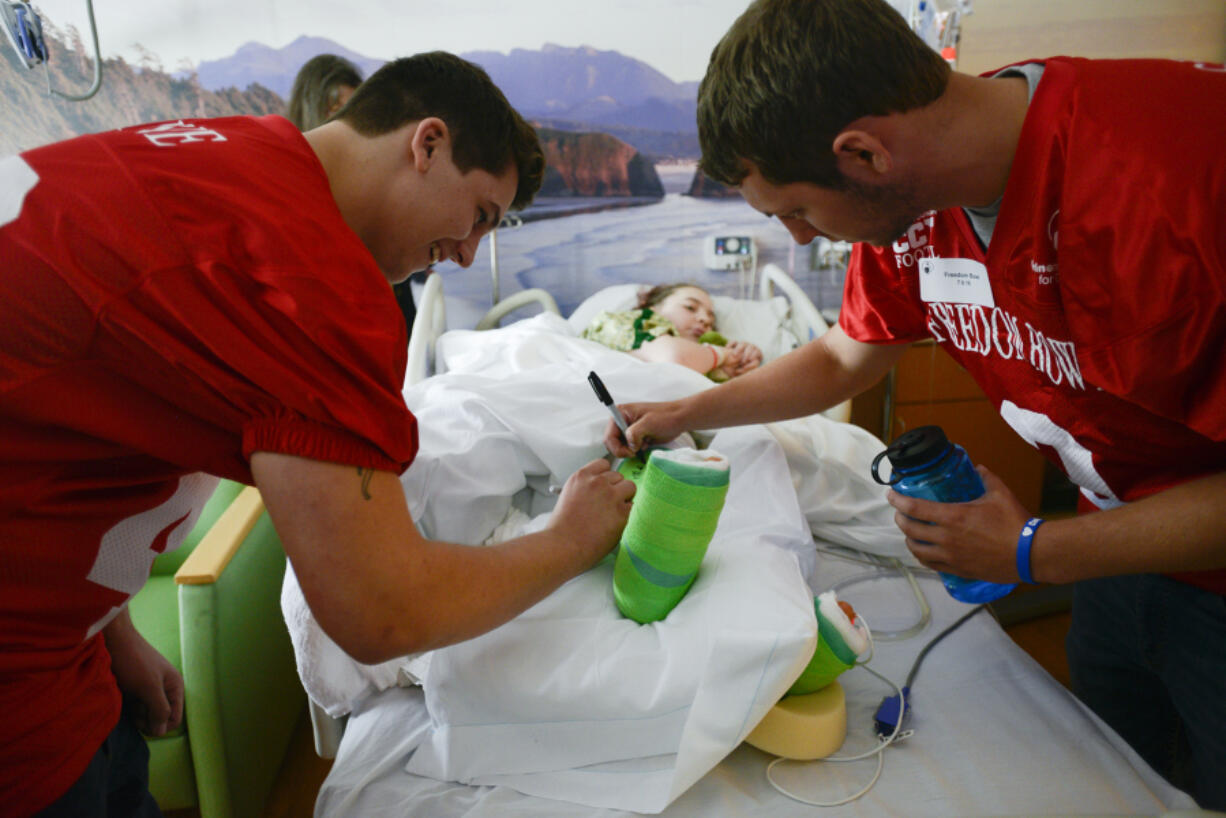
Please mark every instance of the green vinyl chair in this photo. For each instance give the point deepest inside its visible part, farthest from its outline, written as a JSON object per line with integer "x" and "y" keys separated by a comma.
{"x": 212, "y": 607}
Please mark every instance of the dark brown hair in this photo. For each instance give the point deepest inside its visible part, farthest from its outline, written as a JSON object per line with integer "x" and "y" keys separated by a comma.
{"x": 486, "y": 132}
{"x": 791, "y": 74}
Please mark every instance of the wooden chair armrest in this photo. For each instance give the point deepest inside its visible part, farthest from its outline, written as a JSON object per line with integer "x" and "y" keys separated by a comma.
{"x": 216, "y": 548}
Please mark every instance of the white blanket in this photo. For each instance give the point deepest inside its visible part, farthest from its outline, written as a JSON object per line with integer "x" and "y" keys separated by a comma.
{"x": 569, "y": 698}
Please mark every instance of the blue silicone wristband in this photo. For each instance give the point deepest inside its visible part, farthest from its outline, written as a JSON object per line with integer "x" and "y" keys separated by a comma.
{"x": 1024, "y": 541}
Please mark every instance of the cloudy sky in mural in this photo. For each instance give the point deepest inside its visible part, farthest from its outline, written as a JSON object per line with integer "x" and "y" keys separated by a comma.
{"x": 674, "y": 36}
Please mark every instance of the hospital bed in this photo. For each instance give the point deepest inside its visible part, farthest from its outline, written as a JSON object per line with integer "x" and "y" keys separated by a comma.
{"x": 569, "y": 709}
{"x": 781, "y": 318}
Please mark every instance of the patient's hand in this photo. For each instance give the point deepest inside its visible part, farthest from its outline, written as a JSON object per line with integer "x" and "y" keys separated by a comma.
{"x": 740, "y": 357}
{"x": 594, "y": 507}
{"x": 145, "y": 677}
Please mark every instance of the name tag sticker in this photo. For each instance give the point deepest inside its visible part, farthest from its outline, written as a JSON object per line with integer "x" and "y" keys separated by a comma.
{"x": 955, "y": 280}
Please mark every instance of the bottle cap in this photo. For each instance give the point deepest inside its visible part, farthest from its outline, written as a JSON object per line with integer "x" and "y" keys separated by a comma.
{"x": 917, "y": 447}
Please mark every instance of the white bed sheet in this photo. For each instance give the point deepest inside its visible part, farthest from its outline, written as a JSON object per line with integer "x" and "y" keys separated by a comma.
{"x": 995, "y": 735}
{"x": 514, "y": 414}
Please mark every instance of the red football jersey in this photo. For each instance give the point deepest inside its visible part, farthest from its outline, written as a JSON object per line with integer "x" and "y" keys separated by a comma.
{"x": 176, "y": 297}
{"x": 1096, "y": 319}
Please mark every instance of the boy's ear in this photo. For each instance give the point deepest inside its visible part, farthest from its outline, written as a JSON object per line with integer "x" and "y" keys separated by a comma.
{"x": 860, "y": 153}
{"x": 430, "y": 138}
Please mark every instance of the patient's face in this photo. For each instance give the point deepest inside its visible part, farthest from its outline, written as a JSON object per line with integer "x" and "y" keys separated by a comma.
{"x": 690, "y": 309}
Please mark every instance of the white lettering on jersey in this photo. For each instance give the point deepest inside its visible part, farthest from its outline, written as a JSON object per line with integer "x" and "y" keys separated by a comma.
{"x": 16, "y": 180}
{"x": 1036, "y": 428}
{"x": 128, "y": 549}
{"x": 169, "y": 134}
{"x": 984, "y": 330}
{"x": 1047, "y": 273}
{"x": 914, "y": 244}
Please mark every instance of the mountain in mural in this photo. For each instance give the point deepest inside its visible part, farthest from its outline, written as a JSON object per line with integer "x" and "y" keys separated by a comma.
{"x": 274, "y": 68}
{"x": 579, "y": 164}
{"x": 588, "y": 85}
{"x": 576, "y": 89}
{"x": 128, "y": 96}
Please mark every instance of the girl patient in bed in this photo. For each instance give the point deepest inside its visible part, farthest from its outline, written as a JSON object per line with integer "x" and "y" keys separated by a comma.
{"x": 675, "y": 323}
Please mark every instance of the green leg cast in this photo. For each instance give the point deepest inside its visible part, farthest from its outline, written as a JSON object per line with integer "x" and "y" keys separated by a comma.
{"x": 832, "y": 657}
{"x": 676, "y": 510}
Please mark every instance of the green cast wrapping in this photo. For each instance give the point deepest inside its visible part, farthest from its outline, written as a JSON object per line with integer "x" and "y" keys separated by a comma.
{"x": 831, "y": 658}
{"x": 676, "y": 509}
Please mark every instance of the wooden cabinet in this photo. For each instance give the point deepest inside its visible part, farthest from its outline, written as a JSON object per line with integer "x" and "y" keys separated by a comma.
{"x": 929, "y": 387}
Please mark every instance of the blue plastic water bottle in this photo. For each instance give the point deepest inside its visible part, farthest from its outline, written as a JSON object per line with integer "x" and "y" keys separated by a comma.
{"x": 926, "y": 465}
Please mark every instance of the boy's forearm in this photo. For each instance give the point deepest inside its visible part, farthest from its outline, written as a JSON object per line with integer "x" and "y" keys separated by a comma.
{"x": 818, "y": 375}
{"x": 1180, "y": 529}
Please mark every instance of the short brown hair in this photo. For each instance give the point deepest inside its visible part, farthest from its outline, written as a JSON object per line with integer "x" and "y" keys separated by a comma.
{"x": 486, "y": 132}
{"x": 791, "y": 74}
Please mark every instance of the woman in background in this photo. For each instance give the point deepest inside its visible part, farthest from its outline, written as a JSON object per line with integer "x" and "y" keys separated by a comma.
{"x": 323, "y": 85}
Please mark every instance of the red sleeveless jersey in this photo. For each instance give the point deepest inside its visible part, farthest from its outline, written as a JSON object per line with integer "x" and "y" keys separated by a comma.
{"x": 176, "y": 296}
{"x": 1096, "y": 319}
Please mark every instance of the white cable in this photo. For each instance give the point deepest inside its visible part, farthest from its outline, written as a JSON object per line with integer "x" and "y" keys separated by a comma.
{"x": 898, "y": 735}
{"x": 898, "y": 568}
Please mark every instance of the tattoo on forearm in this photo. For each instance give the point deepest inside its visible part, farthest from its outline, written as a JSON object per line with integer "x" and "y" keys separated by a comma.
{"x": 365, "y": 474}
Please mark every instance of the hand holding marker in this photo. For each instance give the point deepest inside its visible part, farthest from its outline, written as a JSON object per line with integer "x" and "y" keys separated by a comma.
{"x": 676, "y": 510}
{"x": 603, "y": 394}
{"x": 607, "y": 400}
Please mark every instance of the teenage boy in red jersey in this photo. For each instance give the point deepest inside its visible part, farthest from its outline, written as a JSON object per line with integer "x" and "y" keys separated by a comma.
{"x": 212, "y": 298}
{"x": 1060, "y": 229}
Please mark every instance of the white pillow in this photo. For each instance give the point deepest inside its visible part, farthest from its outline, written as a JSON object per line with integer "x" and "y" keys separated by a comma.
{"x": 765, "y": 324}
{"x": 611, "y": 299}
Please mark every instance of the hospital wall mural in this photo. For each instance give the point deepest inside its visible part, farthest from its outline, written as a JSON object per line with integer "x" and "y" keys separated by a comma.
{"x": 611, "y": 88}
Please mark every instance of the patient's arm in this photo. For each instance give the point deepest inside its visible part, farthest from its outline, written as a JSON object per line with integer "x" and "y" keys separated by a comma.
{"x": 818, "y": 375}
{"x": 676, "y": 350}
{"x": 381, "y": 590}
{"x": 737, "y": 358}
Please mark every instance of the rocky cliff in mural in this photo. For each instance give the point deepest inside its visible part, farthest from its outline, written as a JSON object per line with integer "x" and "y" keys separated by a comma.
{"x": 595, "y": 164}
{"x": 703, "y": 186}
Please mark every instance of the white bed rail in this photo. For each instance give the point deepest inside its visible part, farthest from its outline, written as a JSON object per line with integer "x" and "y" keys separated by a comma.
{"x": 516, "y": 301}
{"x": 429, "y": 324}
{"x": 807, "y": 320}
{"x": 806, "y": 317}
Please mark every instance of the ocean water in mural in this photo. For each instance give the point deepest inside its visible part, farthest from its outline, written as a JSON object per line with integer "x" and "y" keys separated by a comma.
{"x": 575, "y": 255}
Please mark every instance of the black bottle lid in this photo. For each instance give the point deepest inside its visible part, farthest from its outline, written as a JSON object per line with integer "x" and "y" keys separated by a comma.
{"x": 920, "y": 445}
{"x": 912, "y": 449}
